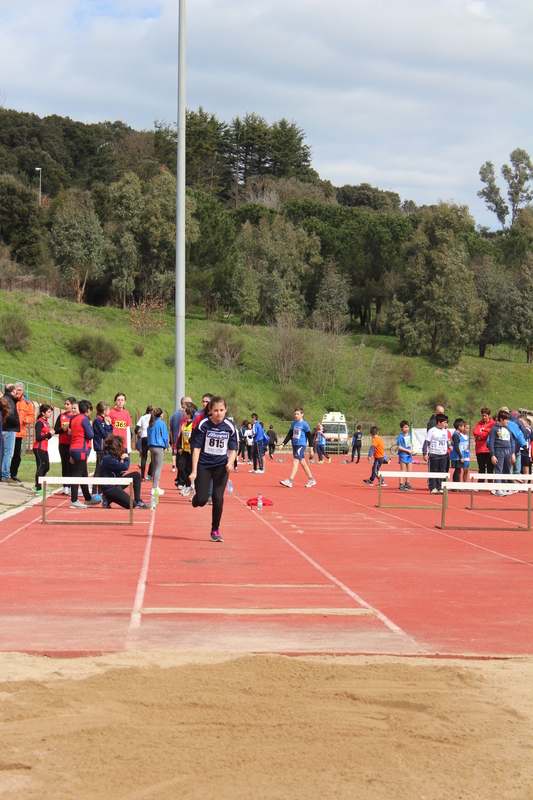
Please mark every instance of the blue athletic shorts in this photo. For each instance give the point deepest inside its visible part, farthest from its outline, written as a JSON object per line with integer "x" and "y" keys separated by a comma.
{"x": 299, "y": 452}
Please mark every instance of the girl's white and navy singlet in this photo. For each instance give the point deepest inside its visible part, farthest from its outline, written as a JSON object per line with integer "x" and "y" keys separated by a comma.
{"x": 214, "y": 442}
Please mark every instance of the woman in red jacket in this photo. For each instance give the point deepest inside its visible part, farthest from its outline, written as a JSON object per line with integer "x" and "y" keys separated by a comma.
{"x": 481, "y": 434}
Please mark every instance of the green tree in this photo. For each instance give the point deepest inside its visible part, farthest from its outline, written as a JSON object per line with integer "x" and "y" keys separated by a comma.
{"x": 491, "y": 192}
{"x": 495, "y": 289}
{"x": 279, "y": 256}
{"x": 211, "y": 256}
{"x": 20, "y": 221}
{"x": 435, "y": 307}
{"x": 518, "y": 176}
{"x": 77, "y": 241}
{"x": 521, "y": 318}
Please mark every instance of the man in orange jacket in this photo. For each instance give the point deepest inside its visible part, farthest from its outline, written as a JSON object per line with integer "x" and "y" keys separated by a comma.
{"x": 26, "y": 412}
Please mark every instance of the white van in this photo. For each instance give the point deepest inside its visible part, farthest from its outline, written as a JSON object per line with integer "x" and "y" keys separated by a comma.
{"x": 336, "y": 433}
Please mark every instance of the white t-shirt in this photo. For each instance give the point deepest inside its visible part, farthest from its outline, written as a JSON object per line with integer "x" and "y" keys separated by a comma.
{"x": 249, "y": 436}
{"x": 143, "y": 424}
{"x": 438, "y": 441}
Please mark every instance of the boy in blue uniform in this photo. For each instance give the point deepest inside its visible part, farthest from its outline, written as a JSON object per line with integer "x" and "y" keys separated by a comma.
{"x": 300, "y": 433}
{"x": 501, "y": 444}
{"x": 465, "y": 449}
{"x": 405, "y": 455}
{"x": 456, "y": 453}
{"x": 257, "y": 446}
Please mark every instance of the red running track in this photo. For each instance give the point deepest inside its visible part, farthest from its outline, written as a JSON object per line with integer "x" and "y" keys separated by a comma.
{"x": 323, "y": 570}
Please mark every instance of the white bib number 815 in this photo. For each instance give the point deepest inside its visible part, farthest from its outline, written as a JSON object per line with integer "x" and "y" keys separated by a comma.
{"x": 215, "y": 446}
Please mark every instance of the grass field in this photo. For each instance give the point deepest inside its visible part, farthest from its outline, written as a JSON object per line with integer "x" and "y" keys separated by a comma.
{"x": 374, "y": 383}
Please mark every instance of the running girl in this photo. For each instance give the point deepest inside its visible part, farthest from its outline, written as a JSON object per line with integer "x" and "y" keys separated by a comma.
{"x": 300, "y": 433}
{"x": 214, "y": 452}
{"x": 40, "y": 446}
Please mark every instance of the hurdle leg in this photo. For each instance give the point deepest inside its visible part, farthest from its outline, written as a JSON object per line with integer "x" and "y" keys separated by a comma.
{"x": 529, "y": 509}
{"x": 44, "y": 502}
{"x": 444, "y": 506}
{"x": 131, "y": 503}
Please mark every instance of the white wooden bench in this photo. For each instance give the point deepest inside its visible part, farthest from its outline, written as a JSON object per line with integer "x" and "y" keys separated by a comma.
{"x": 85, "y": 482}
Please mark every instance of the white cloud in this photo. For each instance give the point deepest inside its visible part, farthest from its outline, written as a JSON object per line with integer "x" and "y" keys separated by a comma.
{"x": 412, "y": 95}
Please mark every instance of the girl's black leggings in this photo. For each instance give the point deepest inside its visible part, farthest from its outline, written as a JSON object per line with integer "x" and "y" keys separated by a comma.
{"x": 79, "y": 470}
{"x": 219, "y": 476}
{"x": 42, "y": 462}
{"x": 66, "y": 466}
{"x": 119, "y": 496}
{"x": 144, "y": 457}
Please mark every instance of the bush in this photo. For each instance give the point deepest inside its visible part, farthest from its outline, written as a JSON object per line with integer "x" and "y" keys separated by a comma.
{"x": 224, "y": 351}
{"x": 139, "y": 350}
{"x": 407, "y": 370}
{"x": 289, "y": 398}
{"x": 90, "y": 378}
{"x": 15, "y": 331}
{"x": 439, "y": 399}
{"x": 96, "y": 350}
{"x": 169, "y": 361}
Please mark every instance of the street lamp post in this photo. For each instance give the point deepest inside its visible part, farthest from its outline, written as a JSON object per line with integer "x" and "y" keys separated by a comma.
{"x": 179, "y": 357}
{"x": 39, "y": 170}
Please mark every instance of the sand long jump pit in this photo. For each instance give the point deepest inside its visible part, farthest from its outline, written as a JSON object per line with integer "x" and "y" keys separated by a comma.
{"x": 170, "y": 725}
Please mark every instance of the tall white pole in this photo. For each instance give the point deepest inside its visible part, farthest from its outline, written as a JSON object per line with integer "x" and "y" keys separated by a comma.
{"x": 179, "y": 361}
{"x": 39, "y": 170}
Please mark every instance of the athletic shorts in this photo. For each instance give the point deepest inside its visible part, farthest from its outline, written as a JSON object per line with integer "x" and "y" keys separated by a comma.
{"x": 526, "y": 460}
{"x": 466, "y": 464}
{"x": 299, "y": 452}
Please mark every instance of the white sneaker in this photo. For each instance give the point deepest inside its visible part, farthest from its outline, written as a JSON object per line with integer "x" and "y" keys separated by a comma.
{"x": 253, "y": 471}
{"x": 66, "y": 491}
{"x": 260, "y": 471}
{"x": 77, "y": 504}
{"x": 310, "y": 482}
{"x": 287, "y": 482}
{"x": 161, "y": 491}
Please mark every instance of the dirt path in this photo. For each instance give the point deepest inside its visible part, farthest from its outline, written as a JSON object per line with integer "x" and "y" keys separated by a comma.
{"x": 164, "y": 725}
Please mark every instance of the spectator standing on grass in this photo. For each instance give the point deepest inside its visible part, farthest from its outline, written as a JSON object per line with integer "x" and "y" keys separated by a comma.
{"x": 157, "y": 435}
{"x": 481, "y": 435}
{"x": 501, "y": 446}
{"x": 43, "y": 433}
{"x": 377, "y": 452}
{"x": 115, "y": 464}
{"x": 436, "y": 442}
{"x": 121, "y": 420}
{"x": 10, "y": 429}
{"x": 5, "y": 408}
{"x": 26, "y": 412}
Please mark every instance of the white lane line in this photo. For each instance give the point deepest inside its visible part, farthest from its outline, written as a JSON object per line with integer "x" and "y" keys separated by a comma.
{"x": 21, "y": 529}
{"x": 268, "y": 612}
{"x": 386, "y": 621}
{"x": 433, "y": 529}
{"x": 252, "y": 585}
{"x": 135, "y": 620}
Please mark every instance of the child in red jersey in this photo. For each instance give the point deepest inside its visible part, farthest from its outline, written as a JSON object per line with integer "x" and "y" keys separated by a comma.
{"x": 121, "y": 420}
{"x": 40, "y": 446}
{"x": 81, "y": 436}
{"x": 61, "y": 427}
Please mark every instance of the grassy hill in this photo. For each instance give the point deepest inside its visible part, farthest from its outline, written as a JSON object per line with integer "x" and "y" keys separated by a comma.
{"x": 374, "y": 382}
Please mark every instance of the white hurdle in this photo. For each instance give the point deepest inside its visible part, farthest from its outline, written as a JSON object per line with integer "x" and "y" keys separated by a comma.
{"x": 85, "y": 482}
{"x": 485, "y": 487}
{"x": 408, "y": 475}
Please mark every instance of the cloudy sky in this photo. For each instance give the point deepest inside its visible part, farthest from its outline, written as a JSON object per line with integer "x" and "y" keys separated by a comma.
{"x": 411, "y": 95}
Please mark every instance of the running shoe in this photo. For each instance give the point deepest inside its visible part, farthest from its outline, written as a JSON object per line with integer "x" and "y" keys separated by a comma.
{"x": 318, "y": 462}
{"x": 77, "y": 504}
{"x": 329, "y": 460}
{"x": 253, "y": 471}
{"x": 368, "y": 481}
{"x": 434, "y": 491}
{"x": 311, "y": 482}
{"x": 409, "y": 487}
{"x": 260, "y": 471}
{"x": 141, "y": 504}
{"x": 383, "y": 483}
{"x": 209, "y": 501}
{"x": 161, "y": 491}
{"x": 402, "y": 487}
{"x": 37, "y": 491}
{"x": 66, "y": 491}
{"x": 94, "y": 501}
{"x": 216, "y": 537}
{"x": 97, "y": 497}
{"x": 236, "y": 468}
{"x": 106, "y": 503}
{"x": 173, "y": 469}
{"x": 499, "y": 493}
{"x": 187, "y": 491}
{"x": 287, "y": 482}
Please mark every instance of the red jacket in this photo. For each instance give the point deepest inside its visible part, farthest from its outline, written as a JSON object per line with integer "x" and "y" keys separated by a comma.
{"x": 481, "y": 434}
